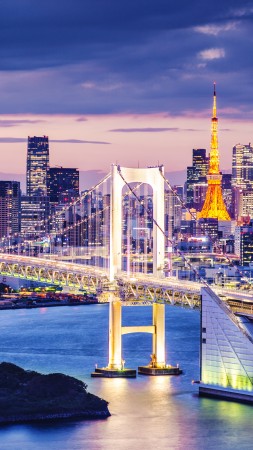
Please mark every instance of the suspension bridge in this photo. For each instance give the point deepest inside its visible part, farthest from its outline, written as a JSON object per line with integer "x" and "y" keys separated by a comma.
{"x": 114, "y": 240}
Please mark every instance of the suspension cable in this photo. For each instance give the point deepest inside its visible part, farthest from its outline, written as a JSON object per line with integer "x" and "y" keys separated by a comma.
{"x": 43, "y": 222}
{"x": 194, "y": 217}
{"x": 64, "y": 229}
{"x": 164, "y": 234}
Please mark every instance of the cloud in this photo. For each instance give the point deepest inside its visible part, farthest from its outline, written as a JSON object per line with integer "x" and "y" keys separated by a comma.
{"x": 216, "y": 29}
{"x": 149, "y": 130}
{"x": 15, "y": 122}
{"x": 12, "y": 140}
{"x": 212, "y": 53}
{"x": 106, "y": 87}
{"x": 122, "y": 58}
{"x": 79, "y": 141}
{"x": 243, "y": 11}
{"x": 81, "y": 119}
{"x": 142, "y": 130}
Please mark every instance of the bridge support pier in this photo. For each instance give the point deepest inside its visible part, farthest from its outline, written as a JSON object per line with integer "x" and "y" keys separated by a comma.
{"x": 116, "y": 366}
{"x": 115, "y": 344}
{"x": 157, "y": 365}
{"x": 159, "y": 334}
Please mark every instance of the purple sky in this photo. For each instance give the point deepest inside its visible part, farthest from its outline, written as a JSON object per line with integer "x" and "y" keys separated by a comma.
{"x": 126, "y": 82}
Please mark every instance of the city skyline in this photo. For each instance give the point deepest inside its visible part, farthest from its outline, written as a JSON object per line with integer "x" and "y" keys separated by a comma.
{"x": 129, "y": 85}
{"x": 117, "y": 191}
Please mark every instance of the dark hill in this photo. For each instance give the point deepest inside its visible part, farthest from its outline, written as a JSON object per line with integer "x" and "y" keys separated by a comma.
{"x": 28, "y": 396}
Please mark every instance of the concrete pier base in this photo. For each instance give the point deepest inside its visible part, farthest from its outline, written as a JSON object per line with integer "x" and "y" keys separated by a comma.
{"x": 166, "y": 370}
{"x": 105, "y": 372}
{"x": 116, "y": 366}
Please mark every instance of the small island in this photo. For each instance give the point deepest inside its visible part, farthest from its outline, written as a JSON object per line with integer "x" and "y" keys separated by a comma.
{"x": 27, "y": 396}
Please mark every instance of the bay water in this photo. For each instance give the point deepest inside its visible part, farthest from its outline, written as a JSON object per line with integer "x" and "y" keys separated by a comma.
{"x": 162, "y": 412}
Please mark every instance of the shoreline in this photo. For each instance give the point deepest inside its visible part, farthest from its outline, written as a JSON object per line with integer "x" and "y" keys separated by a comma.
{"x": 30, "y": 396}
{"x": 54, "y": 417}
{"x": 49, "y": 304}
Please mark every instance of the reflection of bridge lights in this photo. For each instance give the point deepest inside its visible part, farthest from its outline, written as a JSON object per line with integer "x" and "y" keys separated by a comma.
{"x": 161, "y": 383}
{"x": 121, "y": 386}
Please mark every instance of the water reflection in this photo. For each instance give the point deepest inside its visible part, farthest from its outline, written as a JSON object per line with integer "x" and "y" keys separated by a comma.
{"x": 147, "y": 412}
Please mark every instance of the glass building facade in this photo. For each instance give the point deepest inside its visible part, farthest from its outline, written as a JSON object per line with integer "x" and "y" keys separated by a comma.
{"x": 9, "y": 208}
{"x": 196, "y": 174}
{"x": 34, "y": 213}
{"x": 62, "y": 181}
{"x": 226, "y": 356}
{"x": 242, "y": 166}
{"x": 37, "y": 165}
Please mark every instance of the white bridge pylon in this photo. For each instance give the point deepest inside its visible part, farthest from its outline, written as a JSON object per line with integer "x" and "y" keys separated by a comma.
{"x": 152, "y": 177}
{"x": 122, "y": 176}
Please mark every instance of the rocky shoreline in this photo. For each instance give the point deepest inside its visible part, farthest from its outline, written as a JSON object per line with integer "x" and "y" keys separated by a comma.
{"x": 28, "y": 396}
{"x": 87, "y": 415}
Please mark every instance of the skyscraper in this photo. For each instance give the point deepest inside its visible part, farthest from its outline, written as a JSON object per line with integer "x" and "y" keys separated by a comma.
{"x": 242, "y": 203}
{"x": 199, "y": 195}
{"x": 34, "y": 212}
{"x": 227, "y": 192}
{"x": 190, "y": 182}
{"x": 244, "y": 243}
{"x": 37, "y": 166}
{"x": 61, "y": 181}
{"x": 173, "y": 213}
{"x": 200, "y": 163}
{"x": 214, "y": 206}
{"x": 242, "y": 166}
{"x": 9, "y": 208}
{"x": 196, "y": 174}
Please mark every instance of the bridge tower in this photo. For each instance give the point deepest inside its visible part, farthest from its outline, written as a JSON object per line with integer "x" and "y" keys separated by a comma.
{"x": 122, "y": 176}
{"x": 151, "y": 176}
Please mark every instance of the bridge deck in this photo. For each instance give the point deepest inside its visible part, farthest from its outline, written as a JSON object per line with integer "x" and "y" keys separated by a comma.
{"x": 136, "y": 290}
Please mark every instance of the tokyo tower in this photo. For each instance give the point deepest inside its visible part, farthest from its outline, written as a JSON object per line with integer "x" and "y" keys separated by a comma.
{"x": 214, "y": 206}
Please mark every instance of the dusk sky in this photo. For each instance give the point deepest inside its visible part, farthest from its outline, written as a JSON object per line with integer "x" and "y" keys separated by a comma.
{"x": 126, "y": 82}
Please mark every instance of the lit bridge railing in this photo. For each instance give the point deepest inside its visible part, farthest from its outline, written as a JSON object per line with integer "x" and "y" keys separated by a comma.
{"x": 54, "y": 272}
{"x": 137, "y": 289}
{"x": 145, "y": 289}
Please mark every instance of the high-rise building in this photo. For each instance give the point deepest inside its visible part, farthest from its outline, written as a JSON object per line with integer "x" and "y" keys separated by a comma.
{"x": 190, "y": 182}
{"x": 242, "y": 166}
{"x": 200, "y": 163}
{"x": 34, "y": 214}
{"x": 9, "y": 208}
{"x": 61, "y": 181}
{"x": 37, "y": 166}
{"x": 243, "y": 203}
{"x": 173, "y": 213}
{"x": 244, "y": 243}
{"x": 199, "y": 195}
{"x": 208, "y": 227}
{"x": 227, "y": 192}
{"x": 179, "y": 189}
{"x": 196, "y": 174}
{"x": 214, "y": 206}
